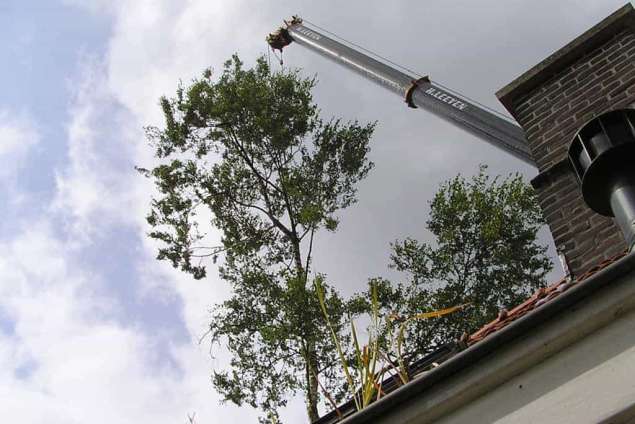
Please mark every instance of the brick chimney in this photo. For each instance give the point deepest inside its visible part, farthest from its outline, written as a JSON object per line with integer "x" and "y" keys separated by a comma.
{"x": 593, "y": 74}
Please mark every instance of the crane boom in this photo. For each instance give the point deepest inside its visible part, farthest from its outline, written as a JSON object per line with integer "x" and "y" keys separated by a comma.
{"x": 418, "y": 92}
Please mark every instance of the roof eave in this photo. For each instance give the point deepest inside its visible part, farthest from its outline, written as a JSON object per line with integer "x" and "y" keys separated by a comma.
{"x": 605, "y": 281}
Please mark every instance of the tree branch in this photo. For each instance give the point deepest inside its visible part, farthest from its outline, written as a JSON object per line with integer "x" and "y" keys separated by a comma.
{"x": 308, "y": 257}
{"x": 248, "y": 159}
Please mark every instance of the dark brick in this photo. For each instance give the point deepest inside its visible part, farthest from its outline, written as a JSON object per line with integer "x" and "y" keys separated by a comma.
{"x": 551, "y": 113}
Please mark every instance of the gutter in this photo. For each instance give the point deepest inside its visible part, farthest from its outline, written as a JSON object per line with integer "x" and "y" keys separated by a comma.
{"x": 469, "y": 357}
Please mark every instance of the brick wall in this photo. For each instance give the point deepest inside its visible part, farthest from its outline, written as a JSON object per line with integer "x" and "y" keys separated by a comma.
{"x": 585, "y": 237}
{"x": 551, "y": 112}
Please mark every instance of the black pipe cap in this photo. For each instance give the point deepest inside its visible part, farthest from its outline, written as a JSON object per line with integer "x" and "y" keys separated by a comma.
{"x": 602, "y": 152}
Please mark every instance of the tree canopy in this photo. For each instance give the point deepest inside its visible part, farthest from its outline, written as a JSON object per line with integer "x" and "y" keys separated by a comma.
{"x": 249, "y": 154}
{"x": 484, "y": 252}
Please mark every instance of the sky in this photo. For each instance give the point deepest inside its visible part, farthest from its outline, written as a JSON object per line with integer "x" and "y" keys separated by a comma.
{"x": 92, "y": 327}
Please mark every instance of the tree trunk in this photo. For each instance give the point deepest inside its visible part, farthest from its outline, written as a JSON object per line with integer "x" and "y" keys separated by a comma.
{"x": 297, "y": 256}
{"x": 312, "y": 386}
{"x": 311, "y": 365}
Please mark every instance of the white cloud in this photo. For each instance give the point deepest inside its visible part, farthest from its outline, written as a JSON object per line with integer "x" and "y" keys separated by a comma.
{"x": 18, "y": 136}
{"x": 157, "y": 43}
{"x": 81, "y": 366}
{"x": 99, "y": 184}
{"x": 153, "y": 45}
{"x": 104, "y": 371}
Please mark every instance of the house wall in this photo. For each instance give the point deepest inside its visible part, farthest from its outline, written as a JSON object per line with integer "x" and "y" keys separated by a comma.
{"x": 594, "y": 80}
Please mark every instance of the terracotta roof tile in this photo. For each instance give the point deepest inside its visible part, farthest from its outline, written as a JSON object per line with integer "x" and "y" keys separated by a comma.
{"x": 539, "y": 298}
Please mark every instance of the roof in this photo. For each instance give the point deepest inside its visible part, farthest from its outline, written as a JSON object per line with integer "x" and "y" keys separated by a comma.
{"x": 428, "y": 364}
{"x": 539, "y": 298}
{"x": 621, "y": 19}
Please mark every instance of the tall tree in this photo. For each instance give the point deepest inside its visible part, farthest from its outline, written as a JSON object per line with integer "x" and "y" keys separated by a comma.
{"x": 250, "y": 154}
{"x": 485, "y": 252}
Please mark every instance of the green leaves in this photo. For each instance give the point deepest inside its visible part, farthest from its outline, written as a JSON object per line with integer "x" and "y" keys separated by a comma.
{"x": 371, "y": 362}
{"x": 251, "y": 149}
{"x": 247, "y": 153}
{"x": 365, "y": 376}
{"x": 485, "y": 253}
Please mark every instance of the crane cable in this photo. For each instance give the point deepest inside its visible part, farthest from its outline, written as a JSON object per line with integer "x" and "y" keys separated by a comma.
{"x": 370, "y": 52}
{"x": 276, "y": 56}
{"x": 403, "y": 68}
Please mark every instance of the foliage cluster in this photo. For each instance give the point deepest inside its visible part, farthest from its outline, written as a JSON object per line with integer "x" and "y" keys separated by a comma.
{"x": 251, "y": 151}
{"x": 248, "y": 154}
{"x": 484, "y": 252}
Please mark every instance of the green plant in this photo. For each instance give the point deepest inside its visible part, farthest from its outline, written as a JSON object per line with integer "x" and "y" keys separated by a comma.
{"x": 482, "y": 248}
{"x": 365, "y": 380}
{"x": 246, "y": 152}
{"x": 403, "y": 372}
{"x": 366, "y": 375}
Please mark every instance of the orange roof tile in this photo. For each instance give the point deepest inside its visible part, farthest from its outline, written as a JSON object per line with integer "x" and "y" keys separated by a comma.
{"x": 539, "y": 298}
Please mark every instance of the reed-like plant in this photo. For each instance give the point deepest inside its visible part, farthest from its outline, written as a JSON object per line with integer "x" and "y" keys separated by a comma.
{"x": 370, "y": 362}
{"x": 364, "y": 377}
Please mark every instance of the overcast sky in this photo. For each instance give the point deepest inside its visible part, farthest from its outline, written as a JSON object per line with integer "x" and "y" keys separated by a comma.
{"x": 92, "y": 328}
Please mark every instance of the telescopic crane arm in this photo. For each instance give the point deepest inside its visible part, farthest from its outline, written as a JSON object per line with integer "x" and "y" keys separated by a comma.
{"x": 417, "y": 92}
